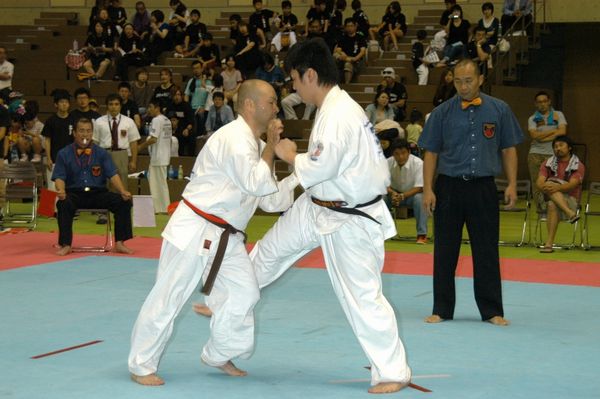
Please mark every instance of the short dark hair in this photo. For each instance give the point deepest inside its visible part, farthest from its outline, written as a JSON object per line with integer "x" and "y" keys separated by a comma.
{"x": 125, "y": 85}
{"x": 421, "y": 34}
{"x": 60, "y": 94}
{"x": 314, "y": 54}
{"x": 286, "y": 4}
{"x": 195, "y": 11}
{"x": 356, "y": 5}
{"x": 114, "y": 97}
{"x": 157, "y": 102}
{"x": 479, "y": 28}
{"x": 218, "y": 94}
{"x": 541, "y": 93}
{"x": 349, "y": 20}
{"x": 167, "y": 70}
{"x": 564, "y": 139}
{"x": 341, "y": 4}
{"x": 139, "y": 71}
{"x": 256, "y": 1}
{"x": 487, "y": 6}
{"x": 82, "y": 90}
{"x": 158, "y": 15}
{"x": 267, "y": 59}
{"x": 235, "y": 17}
{"x": 83, "y": 120}
{"x": 217, "y": 80}
{"x": 195, "y": 62}
{"x": 415, "y": 116}
{"x": 399, "y": 143}
{"x": 456, "y": 7}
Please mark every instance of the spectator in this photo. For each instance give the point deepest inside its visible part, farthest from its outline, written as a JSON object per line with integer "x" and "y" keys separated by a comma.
{"x": 315, "y": 29}
{"x": 178, "y": 20}
{"x": 130, "y": 50}
{"x": 270, "y": 73}
{"x": 58, "y": 131}
{"x": 418, "y": 53}
{"x": 515, "y": 9}
{"x": 194, "y": 33}
{"x": 458, "y": 37}
{"x": 560, "y": 179}
{"x": 380, "y": 109}
{"x": 396, "y": 91}
{"x": 260, "y": 20}
{"x": 234, "y": 27}
{"x": 381, "y": 115}
{"x": 182, "y": 110}
{"x": 196, "y": 94}
{"x": 98, "y": 47}
{"x": 163, "y": 91}
{"x": 80, "y": 176}
{"x": 141, "y": 21}
{"x": 445, "y": 89}
{"x": 32, "y": 127}
{"x": 350, "y": 51}
{"x": 82, "y": 97}
{"x": 414, "y": 129}
{"x": 219, "y": 114}
{"x": 479, "y": 50}
{"x": 208, "y": 53}
{"x": 94, "y": 105}
{"x": 118, "y": 135}
{"x": 109, "y": 28}
{"x": 246, "y": 50}
{"x": 290, "y": 101}
{"x": 406, "y": 187}
{"x": 141, "y": 90}
{"x": 117, "y": 14}
{"x": 159, "y": 143}
{"x": 7, "y": 70}
{"x": 447, "y": 12}
{"x": 100, "y": 5}
{"x": 335, "y": 28}
{"x": 361, "y": 19}
{"x": 128, "y": 107}
{"x": 544, "y": 126}
{"x": 232, "y": 79}
{"x": 287, "y": 21}
{"x": 490, "y": 23}
{"x": 161, "y": 38}
{"x": 392, "y": 28}
{"x": 317, "y": 13}
{"x": 17, "y": 147}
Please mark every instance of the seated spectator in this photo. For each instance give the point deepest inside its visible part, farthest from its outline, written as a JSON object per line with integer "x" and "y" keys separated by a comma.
{"x": 545, "y": 125}
{"x": 163, "y": 91}
{"x": 445, "y": 89}
{"x": 414, "y": 129}
{"x": 490, "y": 23}
{"x": 219, "y": 114}
{"x": 246, "y": 50}
{"x": 335, "y": 28}
{"x": 141, "y": 90}
{"x": 350, "y": 51}
{"x": 479, "y": 50}
{"x": 33, "y": 128}
{"x": 194, "y": 33}
{"x": 361, "y": 19}
{"x": 515, "y": 9}
{"x": 380, "y": 109}
{"x": 128, "y": 107}
{"x": 457, "y": 39}
{"x": 6, "y": 70}
{"x": 282, "y": 42}
{"x": 270, "y": 73}
{"x": 290, "y": 101}
{"x": 99, "y": 48}
{"x": 418, "y": 54}
{"x": 178, "y": 20}
{"x": 215, "y": 85}
{"x": 196, "y": 94}
{"x": 406, "y": 187}
{"x": 392, "y": 28}
{"x": 315, "y": 29}
{"x": 109, "y": 28}
{"x": 381, "y": 115}
{"x": 17, "y": 145}
{"x": 160, "y": 39}
{"x": 208, "y": 53}
{"x": 260, "y": 20}
{"x": 396, "y": 91}
{"x": 446, "y": 14}
{"x": 100, "y": 5}
{"x": 317, "y": 13}
{"x": 130, "y": 50}
{"x": 232, "y": 79}
{"x": 185, "y": 116}
{"x": 117, "y": 14}
{"x": 141, "y": 21}
{"x": 560, "y": 179}
{"x": 287, "y": 21}
{"x": 80, "y": 176}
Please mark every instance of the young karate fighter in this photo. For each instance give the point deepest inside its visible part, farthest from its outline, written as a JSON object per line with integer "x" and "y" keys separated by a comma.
{"x": 233, "y": 174}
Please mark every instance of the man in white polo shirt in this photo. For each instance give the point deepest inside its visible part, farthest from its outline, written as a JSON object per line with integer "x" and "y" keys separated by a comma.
{"x": 159, "y": 143}
{"x": 6, "y": 70}
{"x": 406, "y": 187}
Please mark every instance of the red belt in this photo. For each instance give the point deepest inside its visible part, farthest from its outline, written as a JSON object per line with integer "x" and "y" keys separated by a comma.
{"x": 223, "y": 240}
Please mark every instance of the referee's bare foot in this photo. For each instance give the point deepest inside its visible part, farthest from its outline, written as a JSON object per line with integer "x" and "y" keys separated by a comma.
{"x": 64, "y": 250}
{"x": 149, "y": 380}
{"x": 387, "y": 387}
{"x": 122, "y": 249}
{"x": 202, "y": 309}
{"x": 498, "y": 321}
{"x": 230, "y": 369}
{"x": 433, "y": 319}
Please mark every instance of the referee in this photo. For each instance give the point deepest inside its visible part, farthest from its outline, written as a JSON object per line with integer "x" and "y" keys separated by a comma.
{"x": 467, "y": 138}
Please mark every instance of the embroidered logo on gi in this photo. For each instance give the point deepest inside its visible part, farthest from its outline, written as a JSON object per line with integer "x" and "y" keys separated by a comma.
{"x": 489, "y": 130}
{"x": 314, "y": 155}
{"x": 96, "y": 170}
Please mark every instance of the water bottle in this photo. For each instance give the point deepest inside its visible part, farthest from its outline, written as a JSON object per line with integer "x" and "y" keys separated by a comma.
{"x": 277, "y": 59}
{"x": 170, "y": 172}
{"x": 180, "y": 173}
{"x": 75, "y": 46}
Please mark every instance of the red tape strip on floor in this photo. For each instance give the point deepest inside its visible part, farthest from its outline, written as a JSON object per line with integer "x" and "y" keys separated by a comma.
{"x": 67, "y": 349}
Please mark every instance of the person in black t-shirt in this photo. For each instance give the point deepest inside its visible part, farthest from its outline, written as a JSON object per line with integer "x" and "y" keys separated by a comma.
{"x": 392, "y": 28}
{"x": 116, "y": 13}
{"x": 362, "y": 21}
{"x": 58, "y": 130}
{"x": 161, "y": 38}
{"x": 261, "y": 20}
{"x": 418, "y": 53}
{"x": 350, "y": 51}
{"x": 179, "y": 20}
{"x": 208, "y": 53}
{"x": 82, "y": 97}
{"x": 98, "y": 48}
{"x": 131, "y": 53}
{"x": 234, "y": 27}
{"x": 458, "y": 37}
{"x": 247, "y": 54}
{"x": 194, "y": 33}
{"x": 128, "y": 107}
{"x": 317, "y": 12}
{"x": 287, "y": 20}
{"x": 479, "y": 49}
{"x": 446, "y": 14}
{"x": 396, "y": 91}
{"x": 163, "y": 91}
{"x": 185, "y": 133}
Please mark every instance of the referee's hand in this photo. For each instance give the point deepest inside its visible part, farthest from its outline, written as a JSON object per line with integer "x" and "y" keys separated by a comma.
{"x": 510, "y": 197}
{"x": 429, "y": 202}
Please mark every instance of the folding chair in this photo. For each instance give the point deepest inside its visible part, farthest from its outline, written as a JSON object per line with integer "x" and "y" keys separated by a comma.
{"x": 108, "y": 239}
{"x": 21, "y": 185}
{"x": 594, "y": 190}
{"x": 523, "y": 205}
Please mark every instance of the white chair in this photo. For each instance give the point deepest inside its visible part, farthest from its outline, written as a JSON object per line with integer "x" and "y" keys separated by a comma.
{"x": 523, "y": 205}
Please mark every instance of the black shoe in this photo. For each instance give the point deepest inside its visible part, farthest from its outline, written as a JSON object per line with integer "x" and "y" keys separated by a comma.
{"x": 101, "y": 219}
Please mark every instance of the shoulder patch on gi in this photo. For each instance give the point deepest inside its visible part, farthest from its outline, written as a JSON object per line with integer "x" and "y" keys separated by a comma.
{"x": 314, "y": 155}
{"x": 489, "y": 130}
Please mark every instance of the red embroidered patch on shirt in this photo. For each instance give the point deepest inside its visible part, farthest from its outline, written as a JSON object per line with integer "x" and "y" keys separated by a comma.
{"x": 207, "y": 244}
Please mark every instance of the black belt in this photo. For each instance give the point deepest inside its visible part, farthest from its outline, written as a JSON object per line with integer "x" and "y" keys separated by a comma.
{"x": 339, "y": 206}
{"x": 223, "y": 240}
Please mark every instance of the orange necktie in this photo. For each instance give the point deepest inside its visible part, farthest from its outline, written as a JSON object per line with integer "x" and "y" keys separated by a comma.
{"x": 86, "y": 151}
{"x": 476, "y": 102}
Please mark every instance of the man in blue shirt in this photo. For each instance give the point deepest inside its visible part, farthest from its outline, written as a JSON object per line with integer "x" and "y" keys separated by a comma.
{"x": 80, "y": 175}
{"x": 468, "y": 138}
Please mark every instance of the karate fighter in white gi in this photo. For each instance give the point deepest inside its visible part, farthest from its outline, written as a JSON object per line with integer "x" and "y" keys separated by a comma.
{"x": 233, "y": 174}
{"x": 345, "y": 174}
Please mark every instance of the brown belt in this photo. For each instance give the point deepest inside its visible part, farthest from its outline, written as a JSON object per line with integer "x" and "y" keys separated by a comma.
{"x": 223, "y": 240}
{"x": 339, "y": 206}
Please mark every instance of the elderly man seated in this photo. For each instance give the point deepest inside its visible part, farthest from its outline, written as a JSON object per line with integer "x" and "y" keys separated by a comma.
{"x": 80, "y": 175}
{"x": 560, "y": 181}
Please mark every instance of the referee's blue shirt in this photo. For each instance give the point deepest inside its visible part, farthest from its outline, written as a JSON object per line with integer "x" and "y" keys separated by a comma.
{"x": 81, "y": 171}
{"x": 469, "y": 142}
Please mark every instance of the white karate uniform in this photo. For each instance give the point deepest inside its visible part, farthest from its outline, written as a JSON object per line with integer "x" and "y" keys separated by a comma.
{"x": 229, "y": 180}
{"x": 344, "y": 162}
{"x": 160, "y": 156}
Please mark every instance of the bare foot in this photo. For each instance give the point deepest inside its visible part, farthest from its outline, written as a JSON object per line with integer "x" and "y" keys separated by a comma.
{"x": 387, "y": 387}
{"x": 202, "y": 309}
{"x": 433, "y": 319}
{"x": 230, "y": 369}
{"x": 64, "y": 250}
{"x": 148, "y": 380}
{"x": 498, "y": 321}
{"x": 122, "y": 249}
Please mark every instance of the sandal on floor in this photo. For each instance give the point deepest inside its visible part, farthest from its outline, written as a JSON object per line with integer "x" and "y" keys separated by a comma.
{"x": 574, "y": 219}
{"x": 546, "y": 250}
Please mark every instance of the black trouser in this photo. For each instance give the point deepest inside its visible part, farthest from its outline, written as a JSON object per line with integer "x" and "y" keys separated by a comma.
{"x": 128, "y": 60}
{"x": 187, "y": 145}
{"x": 474, "y": 202}
{"x": 94, "y": 199}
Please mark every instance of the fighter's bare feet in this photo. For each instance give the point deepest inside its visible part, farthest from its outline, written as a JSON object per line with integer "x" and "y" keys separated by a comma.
{"x": 64, "y": 250}
{"x": 433, "y": 319}
{"x": 498, "y": 321}
{"x": 122, "y": 249}
{"x": 387, "y": 387}
{"x": 148, "y": 380}
{"x": 230, "y": 369}
{"x": 202, "y": 309}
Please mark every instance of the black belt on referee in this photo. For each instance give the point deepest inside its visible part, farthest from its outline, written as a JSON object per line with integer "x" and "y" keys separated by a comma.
{"x": 339, "y": 206}
{"x": 223, "y": 240}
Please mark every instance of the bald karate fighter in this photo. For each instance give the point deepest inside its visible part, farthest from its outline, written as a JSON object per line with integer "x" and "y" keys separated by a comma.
{"x": 345, "y": 175}
{"x": 232, "y": 176}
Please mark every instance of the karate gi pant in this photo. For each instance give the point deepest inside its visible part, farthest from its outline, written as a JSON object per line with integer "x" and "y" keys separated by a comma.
{"x": 232, "y": 301}
{"x": 159, "y": 188}
{"x": 354, "y": 257}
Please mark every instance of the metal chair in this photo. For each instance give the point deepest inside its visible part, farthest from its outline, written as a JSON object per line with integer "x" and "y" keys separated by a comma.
{"x": 523, "y": 205}
{"x": 21, "y": 185}
{"x": 108, "y": 240}
{"x": 594, "y": 190}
